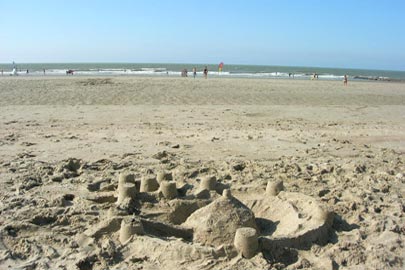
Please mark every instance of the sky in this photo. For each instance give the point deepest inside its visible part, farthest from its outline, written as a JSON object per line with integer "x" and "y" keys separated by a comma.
{"x": 346, "y": 33}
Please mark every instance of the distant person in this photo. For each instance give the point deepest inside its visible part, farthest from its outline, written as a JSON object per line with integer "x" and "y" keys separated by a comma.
{"x": 289, "y": 75}
{"x": 44, "y": 71}
{"x": 345, "y": 80}
{"x": 206, "y": 72}
{"x": 194, "y": 72}
{"x": 27, "y": 71}
{"x": 315, "y": 76}
{"x": 1, "y": 72}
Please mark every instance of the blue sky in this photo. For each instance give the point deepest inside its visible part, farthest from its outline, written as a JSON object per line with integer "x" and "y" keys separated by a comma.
{"x": 345, "y": 33}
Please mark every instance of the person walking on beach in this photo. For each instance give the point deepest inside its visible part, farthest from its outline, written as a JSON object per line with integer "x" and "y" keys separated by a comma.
{"x": 206, "y": 72}
{"x": 194, "y": 72}
{"x": 345, "y": 80}
{"x": 44, "y": 71}
{"x": 184, "y": 73}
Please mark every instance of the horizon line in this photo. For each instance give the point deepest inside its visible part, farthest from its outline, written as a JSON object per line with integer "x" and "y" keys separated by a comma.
{"x": 180, "y": 63}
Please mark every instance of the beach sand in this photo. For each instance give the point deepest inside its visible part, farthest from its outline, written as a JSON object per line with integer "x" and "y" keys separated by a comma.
{"x": 65, "y": 140}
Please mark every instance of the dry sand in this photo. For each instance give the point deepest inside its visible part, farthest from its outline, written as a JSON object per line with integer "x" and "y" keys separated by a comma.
{"x": 64, "y": 142}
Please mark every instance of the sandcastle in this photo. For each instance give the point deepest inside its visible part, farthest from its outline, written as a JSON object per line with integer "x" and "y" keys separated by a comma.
{"x": 223, "y": 222}
{"x": 195, "y": 216}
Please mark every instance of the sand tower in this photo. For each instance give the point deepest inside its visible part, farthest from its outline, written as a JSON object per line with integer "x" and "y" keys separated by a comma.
{"x": 126, "y": 177}
{"x": 149, "y": 184}
{"x": 274, "y": 187}
{"x": 126, "y": 187}
{"x": 246, "y": 242}
{"x": 227, "y": 193}
{"x": 208, "y": 182}
{"x": 163, "y": 176}
{"x": 168, "y": 189}
{"x": 126, "y": 191}
{"x": 129, "y": 227}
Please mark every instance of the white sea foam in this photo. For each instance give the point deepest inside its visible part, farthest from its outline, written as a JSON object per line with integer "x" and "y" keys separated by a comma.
{"x": 160, "y": 71}
{"x": 330, "y": 77}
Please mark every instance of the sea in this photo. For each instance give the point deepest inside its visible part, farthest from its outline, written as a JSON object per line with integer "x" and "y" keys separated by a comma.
{"x": 173, "y": 70}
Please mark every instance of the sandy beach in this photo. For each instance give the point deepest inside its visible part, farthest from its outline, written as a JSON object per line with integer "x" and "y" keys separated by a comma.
{"x": 65, "y": 141}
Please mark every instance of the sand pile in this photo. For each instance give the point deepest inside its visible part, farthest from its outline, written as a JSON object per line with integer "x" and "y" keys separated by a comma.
{"x": 217, "y": 223}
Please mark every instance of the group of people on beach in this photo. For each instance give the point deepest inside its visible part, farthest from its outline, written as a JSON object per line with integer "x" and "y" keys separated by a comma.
{"x": 184, "y": 72}
{"x": 315, "y": 76}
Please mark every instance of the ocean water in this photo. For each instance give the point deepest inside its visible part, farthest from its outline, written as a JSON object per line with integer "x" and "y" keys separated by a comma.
{"x": 245, "y": 71}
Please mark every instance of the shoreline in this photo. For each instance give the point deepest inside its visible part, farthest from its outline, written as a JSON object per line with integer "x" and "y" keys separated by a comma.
{"x": 164, "y": 69}
{"x": 210, "y": 76}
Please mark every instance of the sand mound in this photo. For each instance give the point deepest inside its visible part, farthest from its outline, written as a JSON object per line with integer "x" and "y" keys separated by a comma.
{"x": 216, "y": 223}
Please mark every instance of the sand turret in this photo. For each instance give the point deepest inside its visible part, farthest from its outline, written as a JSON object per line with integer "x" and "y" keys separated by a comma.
{"x": 168, "y": 189}
{"x": 208, "y": 182}
{"x": 246, "y": 242}
{"x": 129, "y": 227}
{"x": 274, "y": 187}
{"x": 227, "y": 193}
{"x": 149, "y": 184}
{"x": 126, "y": 177}
{"x": 126, "y": 191}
